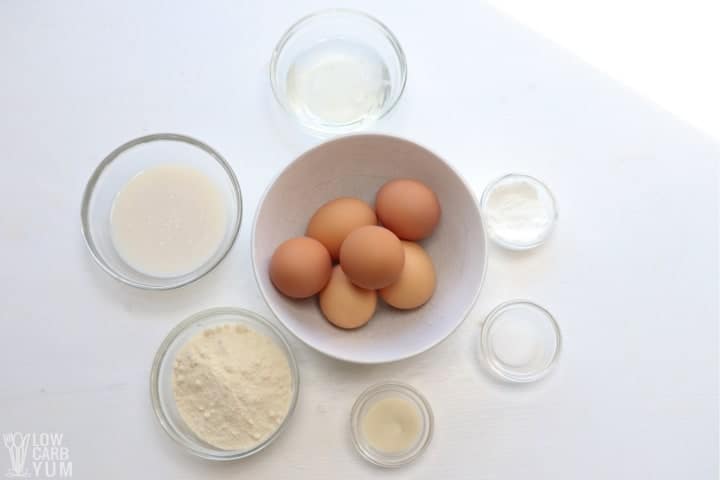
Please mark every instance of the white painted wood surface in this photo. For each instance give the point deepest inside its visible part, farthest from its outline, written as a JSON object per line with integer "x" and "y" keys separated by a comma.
{"x": 630, "y": 273}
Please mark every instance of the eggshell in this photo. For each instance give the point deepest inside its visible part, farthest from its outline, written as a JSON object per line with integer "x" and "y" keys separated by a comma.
{"x": 417, "y": 280}
{"x": 344, "y": 304}
{"x": 372, "y": 257}
{"x": 300, "y": 267}
{"x": 334, "y": 221}
{"x": 409, "y": 208}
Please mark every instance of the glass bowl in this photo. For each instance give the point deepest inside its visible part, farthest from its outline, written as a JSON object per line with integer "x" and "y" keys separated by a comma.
{"x": 520, "y": 341}
{"x": 347, "y": 34}
{"x": 161, "y": 388}
{"x": 125, "y": 162}
{"x": 546, "y": 198}
{"x": 367, "y": 399}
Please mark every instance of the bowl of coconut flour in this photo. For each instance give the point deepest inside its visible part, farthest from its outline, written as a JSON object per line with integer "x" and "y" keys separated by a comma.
{"x": 224, "y": 383}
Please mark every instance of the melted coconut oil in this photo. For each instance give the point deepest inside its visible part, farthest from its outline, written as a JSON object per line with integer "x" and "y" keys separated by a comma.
{"x": 338, "y": 82}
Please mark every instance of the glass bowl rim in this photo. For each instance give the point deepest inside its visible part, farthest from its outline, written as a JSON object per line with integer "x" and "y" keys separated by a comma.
{"x": 490, "y": 360}
{"x": 553, "y": 201}
{"x": 418, "y": 399}
{"x": 161, "y": 357}
{"x": 299, "y": 24}
{"x": 115, "y": 154}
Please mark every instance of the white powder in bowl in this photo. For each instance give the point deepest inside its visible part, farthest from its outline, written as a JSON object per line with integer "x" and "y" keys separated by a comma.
{"x": 232, "y": 386}
{"x": 519, "y": 211}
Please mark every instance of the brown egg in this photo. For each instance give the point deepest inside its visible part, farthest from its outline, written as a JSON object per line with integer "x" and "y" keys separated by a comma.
{"x": 408, "y": 207}
{"x": 300, "y": 267}
{"x": 372, "y": 257}
{"x": 417, "y": 280}
{"x": 334, "y": 221}
{"x": 344, "y": 304}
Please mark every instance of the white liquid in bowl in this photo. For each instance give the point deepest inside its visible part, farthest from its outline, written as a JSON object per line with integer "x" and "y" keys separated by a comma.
{"x": 392, "y": 425}
{"x": 168, "y": 220}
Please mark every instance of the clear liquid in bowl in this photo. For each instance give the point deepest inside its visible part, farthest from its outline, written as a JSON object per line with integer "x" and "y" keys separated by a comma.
{"x": 338, "y": 82}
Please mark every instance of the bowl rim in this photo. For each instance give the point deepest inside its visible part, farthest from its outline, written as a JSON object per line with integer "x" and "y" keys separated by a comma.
{"x": 420, "y": 402}
{"x": 519, "y": 247}
{"x": 85, "y": 228}
{"x": 435, "y": 343}
{"x": 161, "y": 356}
{"x": 492, "y": 363}
{"x": 297, "y": 26}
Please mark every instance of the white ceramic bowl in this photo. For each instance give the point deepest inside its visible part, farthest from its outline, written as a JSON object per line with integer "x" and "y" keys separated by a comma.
{"x": 357, "y": 166}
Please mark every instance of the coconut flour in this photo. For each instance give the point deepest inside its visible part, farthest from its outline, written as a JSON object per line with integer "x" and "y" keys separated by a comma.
{"x": 232, "y": 386}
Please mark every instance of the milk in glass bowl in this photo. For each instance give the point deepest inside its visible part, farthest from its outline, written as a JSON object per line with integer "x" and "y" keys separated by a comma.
{"x": 161, "y": 211}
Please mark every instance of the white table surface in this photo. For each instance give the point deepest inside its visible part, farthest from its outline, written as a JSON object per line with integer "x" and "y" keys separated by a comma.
{"x": 664, "y": 50}
{"x": 631, "y": 272}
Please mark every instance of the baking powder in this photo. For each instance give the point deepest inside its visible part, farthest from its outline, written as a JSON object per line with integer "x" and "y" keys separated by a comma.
{"x": 519, "y": 211}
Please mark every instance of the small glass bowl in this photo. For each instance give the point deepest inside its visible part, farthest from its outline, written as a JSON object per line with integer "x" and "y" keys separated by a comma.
{"x": 337, "y": 24}
{"x": 378, "y": 392}
{"x": 119, "y": 167}
{"x": 546, "y": 197}
{"x": 161, "y": 387}
{"x": 520, "y": 341}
